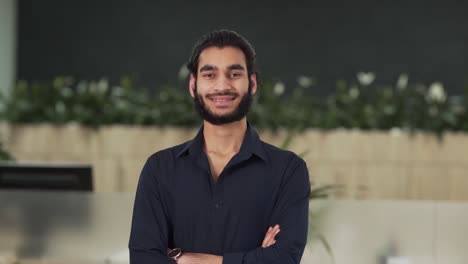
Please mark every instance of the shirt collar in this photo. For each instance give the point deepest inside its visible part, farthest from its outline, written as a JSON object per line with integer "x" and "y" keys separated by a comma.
{"x": 250, "y": 145}
{"x": 193, "y": 146}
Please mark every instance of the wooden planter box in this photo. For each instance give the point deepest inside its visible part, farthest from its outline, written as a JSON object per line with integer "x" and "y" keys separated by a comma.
{"x": 369, "y": 165}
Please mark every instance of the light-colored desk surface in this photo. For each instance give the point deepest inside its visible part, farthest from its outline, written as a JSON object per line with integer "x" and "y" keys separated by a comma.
{"x": 367, "y": 232}
{"x": 58, "y": 226}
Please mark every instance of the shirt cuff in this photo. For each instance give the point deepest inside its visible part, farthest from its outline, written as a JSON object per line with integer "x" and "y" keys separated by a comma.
{"x": 233, "y": 258}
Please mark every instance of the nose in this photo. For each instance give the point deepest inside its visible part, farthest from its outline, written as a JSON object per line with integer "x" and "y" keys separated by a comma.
{"x": 222, "y": 84}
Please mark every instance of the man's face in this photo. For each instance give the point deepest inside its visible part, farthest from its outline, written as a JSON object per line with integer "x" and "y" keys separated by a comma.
{"x": 222, "y": 90}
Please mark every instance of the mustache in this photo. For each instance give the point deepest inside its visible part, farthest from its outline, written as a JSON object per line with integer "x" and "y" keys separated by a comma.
{"x": 222, "y": 94}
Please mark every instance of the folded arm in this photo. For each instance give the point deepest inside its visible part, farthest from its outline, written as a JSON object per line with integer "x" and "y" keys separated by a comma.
{"x": 290, "y": 213}
{"x": 149, "y": 222}
{"x": 193, "y": 258}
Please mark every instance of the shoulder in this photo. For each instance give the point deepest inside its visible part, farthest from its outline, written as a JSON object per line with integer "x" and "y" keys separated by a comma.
{"x": 282, "y": 156}
{"x": 167, "y": 156}
{"x": 160, "y": 165}
{"x": 288, "y": 166}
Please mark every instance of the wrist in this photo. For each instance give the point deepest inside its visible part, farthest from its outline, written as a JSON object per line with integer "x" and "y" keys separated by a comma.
{"x": 174, "y": 254}
{"x": 217, "y": 259}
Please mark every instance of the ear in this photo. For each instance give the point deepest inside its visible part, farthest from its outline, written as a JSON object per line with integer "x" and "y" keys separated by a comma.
{"x": 192, "y": 84}
{"x": 253, "y": 83}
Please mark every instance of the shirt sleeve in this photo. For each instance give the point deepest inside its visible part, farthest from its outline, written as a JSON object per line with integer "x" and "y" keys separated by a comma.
{"x": 291, "y": 212}
{"x": 149, "y": 231}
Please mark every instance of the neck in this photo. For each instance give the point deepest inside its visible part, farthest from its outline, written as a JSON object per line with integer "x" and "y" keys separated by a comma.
{"x": 224, "y": 139}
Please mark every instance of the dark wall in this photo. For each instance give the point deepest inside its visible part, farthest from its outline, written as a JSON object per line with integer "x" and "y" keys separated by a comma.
{"x": 328, "y": 40}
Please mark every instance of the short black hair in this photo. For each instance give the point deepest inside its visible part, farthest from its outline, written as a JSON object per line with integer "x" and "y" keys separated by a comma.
{"x": 222, "y": 38}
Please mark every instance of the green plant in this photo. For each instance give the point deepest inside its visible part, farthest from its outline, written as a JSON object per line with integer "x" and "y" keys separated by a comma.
{"x": 410, "y": 107}
{"x": 96, "y": 103}
{"x": 355, "y": 104}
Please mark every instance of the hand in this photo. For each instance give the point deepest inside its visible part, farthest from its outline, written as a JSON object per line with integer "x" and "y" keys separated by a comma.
{"x": 270, "y": 236}
{"x": 199, "y": 258}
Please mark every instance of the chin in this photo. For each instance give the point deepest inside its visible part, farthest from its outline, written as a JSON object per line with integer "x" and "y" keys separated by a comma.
{"x": 222, "y": 113}
{"x": 223, "y": 110}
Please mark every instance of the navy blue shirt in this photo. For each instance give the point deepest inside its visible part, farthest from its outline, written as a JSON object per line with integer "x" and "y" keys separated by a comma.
{"x": 179, "y": 205}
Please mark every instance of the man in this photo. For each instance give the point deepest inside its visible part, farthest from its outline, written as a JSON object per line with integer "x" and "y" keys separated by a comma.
{"x": 225, "y": 196}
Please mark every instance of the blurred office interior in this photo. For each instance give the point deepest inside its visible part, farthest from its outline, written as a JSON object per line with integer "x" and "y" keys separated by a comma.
{"x": 372, "y": 95}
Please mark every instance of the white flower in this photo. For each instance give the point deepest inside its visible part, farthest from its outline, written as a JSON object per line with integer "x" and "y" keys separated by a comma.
{"x": 396, "y": 131}
{"x": 102, "y": 86}
{"x": 437, "y": 93}
{"x": 183, "y": 72}
{"x": 354, "y": 92}
{"x": 66, "y": 92}
{"x": 93, "y": 87}
{"x": 305, "y": 81}
{"x": 279, "y": 88}
{"x": 365, "y": 78}
{"x": 60, "y": 107}
{"x": 82, "y": 87}
{"x": 402, "y": 81}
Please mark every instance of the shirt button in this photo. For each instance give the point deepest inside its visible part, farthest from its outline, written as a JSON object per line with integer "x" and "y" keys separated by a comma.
{"x": 219, "y": 204}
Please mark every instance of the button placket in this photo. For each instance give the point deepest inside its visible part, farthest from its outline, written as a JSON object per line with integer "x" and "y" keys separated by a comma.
{"x": 218, "y": 213}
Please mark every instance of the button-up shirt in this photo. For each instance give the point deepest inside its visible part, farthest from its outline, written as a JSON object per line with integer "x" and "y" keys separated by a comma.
{"x": 179, "y": 205}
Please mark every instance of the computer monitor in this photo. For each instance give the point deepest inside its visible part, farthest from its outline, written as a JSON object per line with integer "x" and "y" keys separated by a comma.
{"x": 46, "y": 176}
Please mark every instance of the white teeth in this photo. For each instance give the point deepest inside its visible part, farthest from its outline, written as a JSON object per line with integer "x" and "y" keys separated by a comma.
{"x": 223, "y": 99}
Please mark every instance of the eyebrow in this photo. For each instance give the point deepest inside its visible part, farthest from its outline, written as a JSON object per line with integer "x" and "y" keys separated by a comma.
{"x": 209, "y": 67}
{"x": 236, "y": 67}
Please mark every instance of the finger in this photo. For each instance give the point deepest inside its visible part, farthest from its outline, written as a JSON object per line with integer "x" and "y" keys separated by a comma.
{"x": 269, "y": 242}
{"x": 270, "y": 239}
{"x": 270, "y": 235}
{"x": 277, "y": 229}
{"x": 265, "y": 242}
{"x": 267, "y": 236}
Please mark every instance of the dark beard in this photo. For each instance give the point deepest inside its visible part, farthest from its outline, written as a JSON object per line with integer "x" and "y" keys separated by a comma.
{"x": 239, "y": 113}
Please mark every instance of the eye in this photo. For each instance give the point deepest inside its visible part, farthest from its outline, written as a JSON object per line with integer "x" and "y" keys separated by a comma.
{"x": 235, "y": 75}
{"x": 208, "y": 75}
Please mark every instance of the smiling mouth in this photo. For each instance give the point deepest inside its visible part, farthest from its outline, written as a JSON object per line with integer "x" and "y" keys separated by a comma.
{"x": 222, "y": 101}
{"x": 221, "y": 98}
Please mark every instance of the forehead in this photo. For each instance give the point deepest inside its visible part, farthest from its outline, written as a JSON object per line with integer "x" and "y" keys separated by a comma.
{"x": 221, "y": 57}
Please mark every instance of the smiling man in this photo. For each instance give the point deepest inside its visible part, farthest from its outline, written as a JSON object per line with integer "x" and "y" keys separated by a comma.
{"x": 225, "y": 196}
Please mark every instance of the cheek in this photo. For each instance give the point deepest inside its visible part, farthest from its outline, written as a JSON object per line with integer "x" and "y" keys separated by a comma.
{"x": 244, "y": 83}
{"x": 204, "y": 86}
